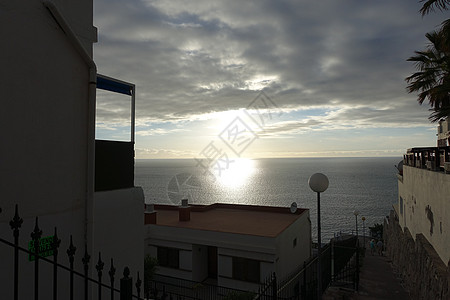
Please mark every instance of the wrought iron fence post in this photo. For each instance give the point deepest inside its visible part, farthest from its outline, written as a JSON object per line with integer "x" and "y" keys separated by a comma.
{"x": 71, "y": 254}
{"x": 15, "y": 224}
{"x": 55, "y": 244}
{"x": 112, "y": 272}
{"x": 85, "y": 261}
{"x": 126, "y": 285}
{"x": 99, "y": 268}
{"x": 138, "y": 286}
{"x": 274, "y": 286}
{"x": 35, "y": 236}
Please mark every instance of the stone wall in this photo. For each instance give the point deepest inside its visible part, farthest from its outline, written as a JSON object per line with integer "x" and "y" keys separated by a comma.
{"x": 424, "y": 274}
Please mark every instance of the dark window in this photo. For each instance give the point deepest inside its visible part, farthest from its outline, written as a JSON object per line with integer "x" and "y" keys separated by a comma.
{"x": 401, "y": 205}
{"x": 294, "y": 242}
{"x": 246, "y": 269}
{"x": 168, "y": 257}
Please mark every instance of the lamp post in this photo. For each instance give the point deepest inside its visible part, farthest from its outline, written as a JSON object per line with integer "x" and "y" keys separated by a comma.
{"x": 318, "y": 182}
{"x": 356, "y": 213}
{"x": 364, "y": 232}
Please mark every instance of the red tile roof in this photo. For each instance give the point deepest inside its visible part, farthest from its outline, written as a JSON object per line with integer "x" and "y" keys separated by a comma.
{"x": 231, "y": 218}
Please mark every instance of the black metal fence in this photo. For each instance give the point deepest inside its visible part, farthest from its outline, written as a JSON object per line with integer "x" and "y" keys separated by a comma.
{"x": 166, "y": 287}
{"x": 41, "y": 248}
{"x": 346, "y": 261}
{"x": 339, "y": 264}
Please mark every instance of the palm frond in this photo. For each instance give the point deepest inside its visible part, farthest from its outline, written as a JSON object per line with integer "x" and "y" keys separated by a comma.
{"x": 431, "y": 5}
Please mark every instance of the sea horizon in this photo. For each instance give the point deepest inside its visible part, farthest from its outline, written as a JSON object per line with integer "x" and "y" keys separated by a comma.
{"x": 366, "y": 184}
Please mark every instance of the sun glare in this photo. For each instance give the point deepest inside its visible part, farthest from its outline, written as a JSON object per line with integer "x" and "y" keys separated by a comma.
{"x": 237, "y": 173}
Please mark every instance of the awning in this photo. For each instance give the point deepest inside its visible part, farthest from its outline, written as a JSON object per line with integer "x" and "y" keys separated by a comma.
{"x": 105, "y": 83}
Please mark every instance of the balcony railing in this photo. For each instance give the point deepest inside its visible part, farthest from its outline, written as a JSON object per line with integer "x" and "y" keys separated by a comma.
{"x": 114, "y": 165}
{"x": 431, "y": 158}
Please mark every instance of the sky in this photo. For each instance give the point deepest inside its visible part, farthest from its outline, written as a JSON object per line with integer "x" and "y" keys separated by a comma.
{"x": 254, "y": 79}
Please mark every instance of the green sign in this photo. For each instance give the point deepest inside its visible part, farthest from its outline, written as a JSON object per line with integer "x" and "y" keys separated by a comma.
{"x": 45, "y": 247}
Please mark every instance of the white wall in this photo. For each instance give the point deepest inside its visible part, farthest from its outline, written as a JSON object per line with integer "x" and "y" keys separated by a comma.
{"x": 118, "y": 227}
{"x": 45, "y": 112}
{"x": 421, "y": 188}
{"x": 43, "y": 158}
{"x": 289, "y": 258}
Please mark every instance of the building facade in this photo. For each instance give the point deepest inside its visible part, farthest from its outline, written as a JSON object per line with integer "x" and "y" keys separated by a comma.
{"x": 235, "y": 246}
{"x": 48, "y": 156}
{"x": 417, "y": 233}
{"x": 423, "y": 191}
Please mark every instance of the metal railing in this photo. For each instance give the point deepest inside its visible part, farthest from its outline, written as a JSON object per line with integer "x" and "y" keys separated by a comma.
{"x": 340, "y": 267}
{"x": 167, "y": 287}
{"x": 41, "y": 248}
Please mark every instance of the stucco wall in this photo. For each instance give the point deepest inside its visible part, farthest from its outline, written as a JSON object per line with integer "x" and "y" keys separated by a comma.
{"x": 289, "y": 257}
{"x": 43, "y": 158}
{"x": 426, "y": 207}
{"x": 45, "y": 109}
{"x": 118, "y": 228}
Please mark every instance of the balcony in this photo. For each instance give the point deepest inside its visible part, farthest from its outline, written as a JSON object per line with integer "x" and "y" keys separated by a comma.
{"x": 114, "y": 160}
{"x": 114, "y": 165}
{"x": 430, "y": 158}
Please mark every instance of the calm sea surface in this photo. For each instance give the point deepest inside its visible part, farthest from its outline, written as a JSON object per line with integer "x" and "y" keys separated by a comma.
{"x": 368, "y": 185}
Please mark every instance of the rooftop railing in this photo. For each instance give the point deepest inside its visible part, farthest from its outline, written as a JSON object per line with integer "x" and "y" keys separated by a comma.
{"x": 431, "y": 158}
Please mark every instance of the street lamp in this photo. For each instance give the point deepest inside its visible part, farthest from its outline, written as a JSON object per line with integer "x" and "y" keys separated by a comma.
{"x": 356, "y": 213}
{"x": 364, "y": 232}
{"x": 318, "y": 182}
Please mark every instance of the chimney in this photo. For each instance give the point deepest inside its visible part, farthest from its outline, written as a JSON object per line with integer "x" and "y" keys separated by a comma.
{"x": 184, "y": 211}
{"x": 150, "y": 214}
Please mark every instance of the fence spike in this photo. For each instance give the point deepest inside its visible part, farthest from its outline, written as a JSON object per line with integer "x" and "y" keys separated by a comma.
{"x": 55, "y": 243}
{"x": 126, "y": 272}
{"x": 99, "y": 266}
{"x": 37, "y": 233}
{"x": 138, "y": 286}
{"x": 111, "y": 273}
{"x": 85, "y": 261}
{"x": 16, "y": 222}
{"x": 71, "y": 250}
{"x": 86, "y": 258}
{"x": 71, "y": 254}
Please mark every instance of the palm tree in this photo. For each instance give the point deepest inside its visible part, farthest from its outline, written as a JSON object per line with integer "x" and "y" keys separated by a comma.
{"x": 431, "y": 5}
{"x": 432, "y": 80}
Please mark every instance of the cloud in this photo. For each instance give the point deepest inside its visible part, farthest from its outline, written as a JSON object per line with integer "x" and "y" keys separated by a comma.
{"x": 194, "y": 58}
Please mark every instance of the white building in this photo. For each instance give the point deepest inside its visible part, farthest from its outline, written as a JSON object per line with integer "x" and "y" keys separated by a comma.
{"x": 423, "y": 190}
{"x": 48, "y": 157}
{"x": 236, "y": 246}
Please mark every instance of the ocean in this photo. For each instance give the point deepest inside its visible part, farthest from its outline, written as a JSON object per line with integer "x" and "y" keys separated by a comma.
{"x": 368, "y": 185}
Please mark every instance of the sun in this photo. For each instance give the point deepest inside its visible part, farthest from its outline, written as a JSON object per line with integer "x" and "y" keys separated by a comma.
{"x": 237, "y": 173}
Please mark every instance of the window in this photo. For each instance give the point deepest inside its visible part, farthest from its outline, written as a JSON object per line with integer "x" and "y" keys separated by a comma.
{"x": 168, "y": 257}
{"x": 246, "y": 269}
{"x": 294, "y": 243}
